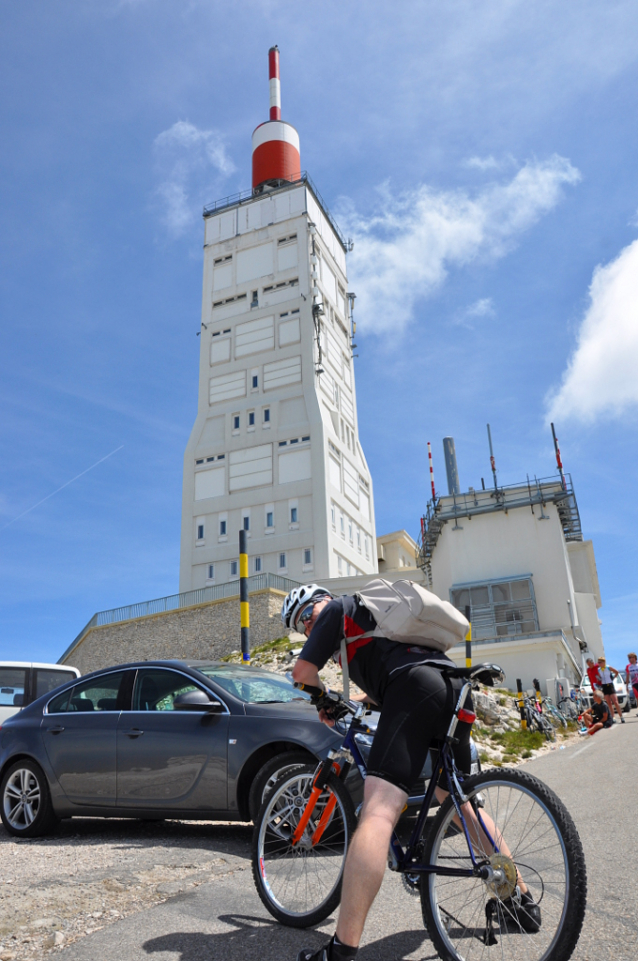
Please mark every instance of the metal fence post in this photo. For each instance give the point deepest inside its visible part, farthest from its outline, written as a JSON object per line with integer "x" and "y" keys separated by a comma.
{"x": 244, "y": 606}
{"x": 468, "y": 638}
{"x": 521, "y": 704}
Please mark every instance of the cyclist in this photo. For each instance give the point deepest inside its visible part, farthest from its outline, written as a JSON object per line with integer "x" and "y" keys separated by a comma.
{"x": 416, "y": 702}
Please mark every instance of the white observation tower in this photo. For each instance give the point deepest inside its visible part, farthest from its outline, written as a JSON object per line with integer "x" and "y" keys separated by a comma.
{"x": 275, "y": 446}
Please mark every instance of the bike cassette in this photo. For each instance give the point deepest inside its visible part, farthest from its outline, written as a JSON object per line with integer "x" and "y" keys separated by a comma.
{"x": 503, "y": 880}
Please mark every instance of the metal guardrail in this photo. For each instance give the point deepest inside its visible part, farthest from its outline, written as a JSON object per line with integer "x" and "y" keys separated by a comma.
{"x": 175, "y": 602}
{"x": 245, "y": 196}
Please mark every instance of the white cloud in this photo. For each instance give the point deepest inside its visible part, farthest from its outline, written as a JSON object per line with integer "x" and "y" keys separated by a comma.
{"x": 185, "y": 158}
{"x": 479, "y": 309}
{"x": 405, "y": 250}
{"x": 483, "y": 163}
{"x": 602, "y": 376}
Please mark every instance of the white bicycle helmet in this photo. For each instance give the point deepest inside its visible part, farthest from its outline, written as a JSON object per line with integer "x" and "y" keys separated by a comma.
{"x": 298, "y": 598}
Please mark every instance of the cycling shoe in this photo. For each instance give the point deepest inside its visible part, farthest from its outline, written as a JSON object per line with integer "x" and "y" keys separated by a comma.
{"x": 522, "y": 910}
{"x": 307, "y": 954}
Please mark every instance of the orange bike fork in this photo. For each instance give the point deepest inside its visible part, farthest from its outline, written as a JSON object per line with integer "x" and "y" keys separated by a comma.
{"x": 309, "y": 808}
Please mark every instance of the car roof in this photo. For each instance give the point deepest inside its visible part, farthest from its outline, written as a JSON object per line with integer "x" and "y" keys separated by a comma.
{"x": 41, "y": 664}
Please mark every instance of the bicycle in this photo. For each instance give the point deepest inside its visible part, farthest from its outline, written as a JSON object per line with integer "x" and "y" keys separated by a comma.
{"x": 554, "y": 714}
{"x": 537, "y": 721}
{"x": 457, "y": 860}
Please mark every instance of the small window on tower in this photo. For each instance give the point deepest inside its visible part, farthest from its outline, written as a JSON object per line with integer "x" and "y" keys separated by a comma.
{"x": 255, "y": 381}
{"x": 270, "y": 519}
{"x": 255, "y": 299}
{"x": 211, "y": 572}
{"x": 258, "y": 565}
{"x": 235, "y": 422}
{"x": 233, "y": 568}
{"x": 222, "y": 528}
{"x": 246, "y": 523}
{"x": 266, "y": 415}
{"x": 333, "y": 516}
{"x": 200, "y": 532}
{"x": 251, "y": 418}
{"x": 293, "y": 515}
{"x": 307, "y": 556}
{"x": 282, "y": 562}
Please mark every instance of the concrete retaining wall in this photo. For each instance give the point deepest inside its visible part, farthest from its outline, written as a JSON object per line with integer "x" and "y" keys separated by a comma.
{"x": 207, "y": 631}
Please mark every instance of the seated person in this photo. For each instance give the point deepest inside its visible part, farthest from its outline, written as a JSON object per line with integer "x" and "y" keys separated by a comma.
{"x": 597, "y": 716}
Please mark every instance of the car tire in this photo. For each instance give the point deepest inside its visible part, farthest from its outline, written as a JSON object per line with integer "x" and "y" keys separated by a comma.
{"x": 269, "y": 774}
{"x": 25, "y": 801}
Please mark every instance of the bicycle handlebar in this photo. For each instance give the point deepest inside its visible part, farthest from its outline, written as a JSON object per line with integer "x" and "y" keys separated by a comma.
{"x": 332, "y": 702}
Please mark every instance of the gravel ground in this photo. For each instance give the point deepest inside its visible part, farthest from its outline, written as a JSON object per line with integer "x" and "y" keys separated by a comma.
{"x": 92, "y": 872}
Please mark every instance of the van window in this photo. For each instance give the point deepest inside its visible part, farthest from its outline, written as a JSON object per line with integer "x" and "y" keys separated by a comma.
{"x": 47, "y": 680}
{"x": 13, "y": 682}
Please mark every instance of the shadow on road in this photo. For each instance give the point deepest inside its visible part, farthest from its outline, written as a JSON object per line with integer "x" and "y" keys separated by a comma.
{"x": 256, "y": 938}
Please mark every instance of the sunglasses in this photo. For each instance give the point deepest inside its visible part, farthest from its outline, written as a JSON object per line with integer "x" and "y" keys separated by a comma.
{"x": 306, "y": 614}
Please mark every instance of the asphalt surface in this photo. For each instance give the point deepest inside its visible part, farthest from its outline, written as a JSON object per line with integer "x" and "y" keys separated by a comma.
{"x": 223, "y": 919}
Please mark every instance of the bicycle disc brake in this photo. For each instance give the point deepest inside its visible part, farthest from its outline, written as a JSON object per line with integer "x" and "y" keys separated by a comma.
{"x": 503, "y": 886}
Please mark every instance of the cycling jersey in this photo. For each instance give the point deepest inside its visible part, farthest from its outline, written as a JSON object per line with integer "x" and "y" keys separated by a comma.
{"x": 605, "y": 676}
{"x": 415, "y": 698}
{"x": 632, "y": 670}
{"x": 372, "y": 660}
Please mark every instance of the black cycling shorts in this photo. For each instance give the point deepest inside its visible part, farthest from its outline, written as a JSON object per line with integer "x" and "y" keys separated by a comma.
{"x": 417, "y": 708}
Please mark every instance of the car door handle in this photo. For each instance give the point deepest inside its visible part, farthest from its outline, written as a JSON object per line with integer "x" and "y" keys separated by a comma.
{"x": 55, "y": 730}
{"x": 134, "y": 732}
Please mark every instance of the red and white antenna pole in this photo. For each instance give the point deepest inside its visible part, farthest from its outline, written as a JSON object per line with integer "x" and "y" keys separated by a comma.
{"x": 558, "y": 460}
{"x": 431, "y": 471}
{"x": 275, "y": 86}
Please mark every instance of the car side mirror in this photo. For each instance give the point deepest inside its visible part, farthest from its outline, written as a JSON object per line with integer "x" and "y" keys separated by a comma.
{"x": 197, "y": 701}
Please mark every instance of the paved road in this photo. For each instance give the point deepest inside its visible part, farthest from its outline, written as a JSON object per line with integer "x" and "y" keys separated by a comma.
{"x": 223, "y": 920}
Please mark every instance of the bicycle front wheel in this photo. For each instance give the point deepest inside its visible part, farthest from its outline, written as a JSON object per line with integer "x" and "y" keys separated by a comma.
{"x": 300, "y": 882}
{"x": 469, "y": 919}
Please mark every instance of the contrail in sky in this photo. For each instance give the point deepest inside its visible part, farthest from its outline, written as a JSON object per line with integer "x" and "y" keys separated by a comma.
{"x": 28, "y": 511}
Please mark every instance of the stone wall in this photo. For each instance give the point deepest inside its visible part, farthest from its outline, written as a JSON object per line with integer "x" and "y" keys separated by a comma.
{"x": 207, "y": 631}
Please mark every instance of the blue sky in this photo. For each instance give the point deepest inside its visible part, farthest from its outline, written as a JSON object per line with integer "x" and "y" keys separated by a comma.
{"x": 483, "y": 157}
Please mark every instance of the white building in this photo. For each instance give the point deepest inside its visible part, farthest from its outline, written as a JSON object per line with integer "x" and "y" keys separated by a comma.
{"x": 517, "y": 558}
{"x": 275, "y": 446}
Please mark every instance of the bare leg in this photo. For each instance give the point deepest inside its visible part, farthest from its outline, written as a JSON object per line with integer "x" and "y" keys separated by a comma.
{"x": 614, "y": 698}
{"x": 593, "y": 728}
{"x": 367, "y": 856}
{"x": 480, "y": 841}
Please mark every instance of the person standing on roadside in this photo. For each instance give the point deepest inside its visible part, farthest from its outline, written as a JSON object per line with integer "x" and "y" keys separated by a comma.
{"x": 593, "y": 674}
{"x": 607, "y": 675}
{"x": 631, "y": 673}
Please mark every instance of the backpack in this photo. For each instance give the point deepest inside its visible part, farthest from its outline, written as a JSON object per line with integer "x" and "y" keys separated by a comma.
{"x": 408, "y": 613}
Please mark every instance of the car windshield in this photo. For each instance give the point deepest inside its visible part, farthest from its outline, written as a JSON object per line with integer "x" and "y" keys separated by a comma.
{"x": 253, "y": 686}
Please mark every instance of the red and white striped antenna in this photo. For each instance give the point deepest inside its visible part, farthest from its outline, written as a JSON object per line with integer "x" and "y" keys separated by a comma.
{"x": 431, "y": 471}
{"x": 275, "y": 84}
{"x": 275, "y": 143}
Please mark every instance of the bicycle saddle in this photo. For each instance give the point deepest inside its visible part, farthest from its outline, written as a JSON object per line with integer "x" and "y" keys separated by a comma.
{"x": 487, "y": 674}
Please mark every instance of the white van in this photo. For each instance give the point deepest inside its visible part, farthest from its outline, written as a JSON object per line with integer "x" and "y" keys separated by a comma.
{"x": 22, "y": 682}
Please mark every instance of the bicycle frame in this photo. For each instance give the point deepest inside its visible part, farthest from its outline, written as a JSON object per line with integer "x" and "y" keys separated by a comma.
{"x": 404, "y": 860}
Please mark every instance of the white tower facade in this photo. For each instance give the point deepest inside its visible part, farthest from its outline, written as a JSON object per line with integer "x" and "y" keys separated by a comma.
{"x": 275, "y": 447}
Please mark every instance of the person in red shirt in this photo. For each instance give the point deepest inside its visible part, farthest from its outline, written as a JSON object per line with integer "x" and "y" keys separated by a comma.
{"x": 593, "y": 674}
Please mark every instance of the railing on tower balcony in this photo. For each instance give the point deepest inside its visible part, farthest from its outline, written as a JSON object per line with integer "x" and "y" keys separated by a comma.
{"x": 174, "y": 602}
{"x": 531, "y": 493}
{"x": 245, "y": 196}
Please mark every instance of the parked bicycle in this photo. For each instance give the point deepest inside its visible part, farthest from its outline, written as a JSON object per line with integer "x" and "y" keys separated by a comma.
{"x": 498, "y": 836}
{"x": 536, "y": 721}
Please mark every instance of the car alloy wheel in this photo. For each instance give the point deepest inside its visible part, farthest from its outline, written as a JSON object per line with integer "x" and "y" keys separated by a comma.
{"x": 26, "y": 803}
{"x": 22, "y": 798}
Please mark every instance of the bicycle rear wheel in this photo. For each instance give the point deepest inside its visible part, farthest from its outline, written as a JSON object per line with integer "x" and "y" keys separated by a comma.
{"x": 468, "y": 920}
{"x": 300, "y": 884}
